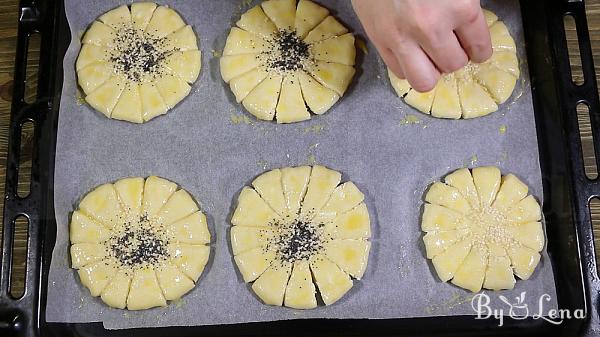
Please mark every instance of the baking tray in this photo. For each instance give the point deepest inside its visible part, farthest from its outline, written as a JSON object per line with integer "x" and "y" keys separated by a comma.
{"x": 567, "y": 192}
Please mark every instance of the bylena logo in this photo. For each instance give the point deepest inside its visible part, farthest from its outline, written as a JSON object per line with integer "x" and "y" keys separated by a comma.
{"x": 519, "y": 310}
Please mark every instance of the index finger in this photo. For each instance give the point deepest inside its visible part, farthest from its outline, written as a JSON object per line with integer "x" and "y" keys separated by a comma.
{"x": 474, "y": 36}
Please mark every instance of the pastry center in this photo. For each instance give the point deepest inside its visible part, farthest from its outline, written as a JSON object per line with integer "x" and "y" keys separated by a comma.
{"x": 297, "y": 240}
{"x": 288, "y": 53}
{"x": 489, "y": 226}
{"x": 139, "y": 244}
{"x": 137, "y": 55}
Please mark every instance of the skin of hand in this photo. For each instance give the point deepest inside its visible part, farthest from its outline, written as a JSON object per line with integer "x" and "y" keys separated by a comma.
{"x": 420, "y": 39}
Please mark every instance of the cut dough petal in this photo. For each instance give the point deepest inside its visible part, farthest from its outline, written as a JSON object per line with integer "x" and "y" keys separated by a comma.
{"x": 242, "y": 85}
{"x": 291, "y": 107}
{"x": 270, "y": 286}
{"x": 498, "y": 82}
{"x": 471, "y": 272}
{"x": 83, "y": 254}
{"x": 334, "y": 76}
{"x": 308, "y": 16}
{"x": 447, "y": 196}
{"x": 173, "y": 282}
{"x": 295, "y": 182}
{"x": 240, "y": 41}
{"x": 511, "y": 191}
{"x": 350, "y": 255}
{"x": 530, "y": 235}
{"x": 318, "y": 98}
{"x": 102, "y": 205}
{"x": 474, "y": 100}
{"x": 145, "y": 293}
{"x": 192, "y": 229}
{"x": 344, "y": 198}
{"x": 300, "y": 291}
{"x": 105, "y": 98}
{"x": 93, "y": 76}
{"x": 338, "y": 49}
{"x": 328, "y": 28}
{"x": 354, "y": 224}
{"x": 487, "y": 181}
{"x": 245, "y": 238}
{"x": 446, "y": 103}
{"x": 281, "y": 12}
{"x": 185, "y": 64}
{"x": 499, "y": 274}
{"x": 141, "y": 13}
{"x": 507, "y": 61}
{"x": 191, "y": 259}
{"x": 526, "y": 210}
{"x": 129, "y": 106}
{"x": 463, "y": 181}
{"x": 153, "y": 104}
{"x": 252, "y": 210}
{"x": 180, "y": 205}
{"x": 172, "y": 89}
{"x": 255, "y": 21}
{"x": 501, "y": 39}
{"x": 99, "y": 34}
{"x": 156, "y": 193}
{"x": 89, "y": 54}
{"x": 253, "y": 263}
{"x": 268, "y": 185}
{"x": 439, "y": 218}
{"x": 332, "y": 282}
{"x": 437, "y": 242}
{"x": 96, "y": 276}
{"x": 523, "y": 261}
{"x": 117, "y": 18}
{"x": 262, "y": 100}
{"x": 448, "y": 262}
{"x": 84, "y": 229}
{"x": 165, "y": 21}
{"x": 323, "y": 182}
{"x": 184, "y": 39}
{"x": 421, "y": 101}
{"x": 130, "y": 191}
{"x": 116, "y": 292}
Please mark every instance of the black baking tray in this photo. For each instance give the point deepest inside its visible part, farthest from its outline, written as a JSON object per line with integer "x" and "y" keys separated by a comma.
{"x": 567, "y": 192}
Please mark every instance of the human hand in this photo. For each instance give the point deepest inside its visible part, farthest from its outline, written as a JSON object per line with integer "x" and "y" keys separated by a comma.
{"x": 419, "y": 39}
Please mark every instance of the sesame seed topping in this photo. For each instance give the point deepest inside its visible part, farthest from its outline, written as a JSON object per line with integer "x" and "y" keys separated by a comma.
{"x": 297, "y": 240}
{"x": 137, "y": 55}
{"x": 287, "y": 55}
{"x": 138, "y": 242}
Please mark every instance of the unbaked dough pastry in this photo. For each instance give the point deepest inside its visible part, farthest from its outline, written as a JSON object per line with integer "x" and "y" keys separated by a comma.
{"x": 481, "y": 228}
{"x": 297, "y": 229}
{"x": 475, "y": 90}
{"x": 137, "y": 62}
{"x": 139, "y": 243}
{"x": 284, "y": 60}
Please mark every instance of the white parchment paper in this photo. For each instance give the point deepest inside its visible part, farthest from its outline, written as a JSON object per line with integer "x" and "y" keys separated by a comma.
{"x": 212, "y": 148}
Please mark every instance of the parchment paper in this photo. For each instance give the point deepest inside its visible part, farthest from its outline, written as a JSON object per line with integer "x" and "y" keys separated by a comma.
{"x": 212, "y": 148}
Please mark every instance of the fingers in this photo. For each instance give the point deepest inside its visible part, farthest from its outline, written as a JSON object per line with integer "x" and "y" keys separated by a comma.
{"x": 391, "y": 61}
{"x": 445, "y": 51}
{"x": 474, "y": 37}
{"x": 416, "y": 66}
